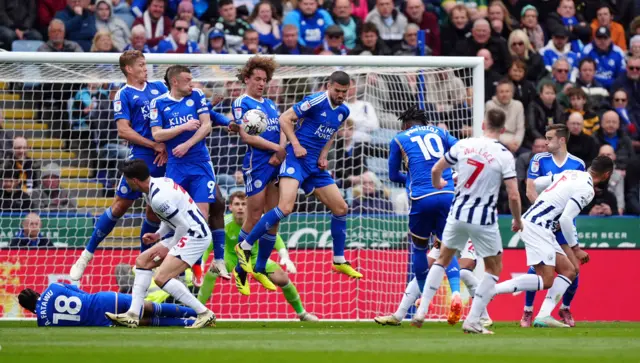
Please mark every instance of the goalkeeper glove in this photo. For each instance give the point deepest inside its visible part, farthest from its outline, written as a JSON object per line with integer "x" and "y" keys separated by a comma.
{"x": 286, "y": 261}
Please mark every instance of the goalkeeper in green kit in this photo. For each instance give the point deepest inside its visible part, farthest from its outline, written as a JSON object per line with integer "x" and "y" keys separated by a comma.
{"x": 232, "y": 224}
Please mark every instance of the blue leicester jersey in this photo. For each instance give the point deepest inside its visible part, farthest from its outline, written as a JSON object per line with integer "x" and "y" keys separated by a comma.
{"x": 420, "y": 147}
{"x": 318, "y": 120}
{"x": 542, "y": 164}
{"x": 132, "y": 104}
{"x": 245, "y": 103}
{"x": 167, "y": 112}
{"x": 66, "y": 305}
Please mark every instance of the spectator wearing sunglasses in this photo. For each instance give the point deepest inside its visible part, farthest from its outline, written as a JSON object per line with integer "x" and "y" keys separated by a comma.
{"x": 178, "y": 40}
{"x": 630, "y": 82}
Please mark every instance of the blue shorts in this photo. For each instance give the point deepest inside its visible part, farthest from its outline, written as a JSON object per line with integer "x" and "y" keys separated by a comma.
{"x": 108, "y": 302}
{"x": 197, "y": 178}
{"x": 125, "y": 192}
{"x": 256, "y": 179}
{"x": 560, "y": 236}
{"x": 310, "y": 177}
{"x": 429, "y": 215}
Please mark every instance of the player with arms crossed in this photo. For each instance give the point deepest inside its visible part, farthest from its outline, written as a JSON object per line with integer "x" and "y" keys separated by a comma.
{"x": 421, "y": 145}
{"x": 482, "y": 164}
{"x": 131, "y": 113}
{"x": 319, "y": 116}
{"x": 67, "y": 305}
{"x": 261, "y": 164}
{"x": 181, "y": 119}
{"x": 557, "y": 160}
{"x": 233, "y": 222}
{"x": 558, "y": 204}
{"x": 173, "y": 255}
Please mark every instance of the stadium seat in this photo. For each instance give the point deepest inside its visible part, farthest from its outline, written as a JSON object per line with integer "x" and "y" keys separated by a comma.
{"x": 45, "y": 143}
{"x": 79, "y": 184}
{"x": 94, "y": 202}
{"x": 25, "y": 125}
{"x": 75, "y": 172}
{"x": 26, "y": 45}
{"x": 52, "y": 154}
{"x": 125, "y": 232}
{"x": 379, "y": 166}
{"x": 15, "y": 114}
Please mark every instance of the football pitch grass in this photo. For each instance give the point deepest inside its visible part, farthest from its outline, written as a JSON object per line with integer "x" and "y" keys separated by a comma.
{"x": 325, "y": 342}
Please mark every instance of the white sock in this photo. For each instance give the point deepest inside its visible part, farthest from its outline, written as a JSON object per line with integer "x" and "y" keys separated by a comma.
{"x": 411, "y": 294}
{"x": 470, "y": 280}
{"x": 180, "y": 292}
{"x": 528, "y": 308}
{"x": 484, "y": 293}
{"x": 339, "y": 259}
{"x": 431, "y": 286}
{"x": 87, "y": 255}
{"x": 564, "y": 307}
{"x": 245, "y": 246}
{"x": 139, "y": 291}
{"x": 560, "y": 285}
{"x": 523, "y": 282}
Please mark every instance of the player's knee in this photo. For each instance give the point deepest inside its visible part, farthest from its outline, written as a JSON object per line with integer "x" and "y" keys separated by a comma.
{"x": 547, "y": 281}
{"x": 286, "y": 209}
{"x": 160, "y": 280}
{"x": 142, "y": 261}
{"x": 340, "y": 209}
{"x": 280, "y": 278}
{"x": 467, "y": 263}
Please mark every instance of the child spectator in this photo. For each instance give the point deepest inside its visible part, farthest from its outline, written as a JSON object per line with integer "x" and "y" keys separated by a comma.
{"x": 578, "y": 99}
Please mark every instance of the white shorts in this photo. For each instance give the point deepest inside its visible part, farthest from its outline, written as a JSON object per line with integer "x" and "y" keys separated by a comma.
{"x": 468, "y": 252}
{"x": 486, "y": 239}
{"x": 540, "y": 244}
{"x": 188, "y": 249}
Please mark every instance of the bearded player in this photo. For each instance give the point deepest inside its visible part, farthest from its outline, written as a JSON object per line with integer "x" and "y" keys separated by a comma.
{"x": 261, "y": 163}
{"x": 318, "y": 117}
{"x": 238, "y": 207}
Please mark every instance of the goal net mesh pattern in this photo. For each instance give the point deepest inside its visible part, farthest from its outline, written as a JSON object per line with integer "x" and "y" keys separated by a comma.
{"x": 66, "y": 173}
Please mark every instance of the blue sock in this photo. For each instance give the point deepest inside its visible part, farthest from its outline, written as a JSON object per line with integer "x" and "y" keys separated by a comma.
{"x": 570, "y": 293}
{"x": 172, "y": 311}
{"x": 453, "y": 275}
{"x": 103, "y": 227}
{"x": 529, "y": 296}
{"x": 338, "y": 234}
{"x": 218, "y": 243}
{"x": 268, "y": 220}
{"x": 147, "y": 227}
{"x": 156, "y": 321}
{"x": 420, "y": 264}
{"x": 265, "y": 246}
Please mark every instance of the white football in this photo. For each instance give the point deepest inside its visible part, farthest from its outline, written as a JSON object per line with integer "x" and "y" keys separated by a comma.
{"x": 255, "y": 122}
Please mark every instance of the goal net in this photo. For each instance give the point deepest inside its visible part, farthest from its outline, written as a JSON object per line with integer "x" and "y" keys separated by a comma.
{"x": 61, "y": 151}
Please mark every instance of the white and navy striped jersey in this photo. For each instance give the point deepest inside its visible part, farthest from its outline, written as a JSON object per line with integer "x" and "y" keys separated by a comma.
{"x": 175, "y": 208}
{"x": 570, "y": 186}
{"x": 482, "y": 164}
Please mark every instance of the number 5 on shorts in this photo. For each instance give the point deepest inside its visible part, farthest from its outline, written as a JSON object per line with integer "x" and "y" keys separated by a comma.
{"x": 479, "y": 166}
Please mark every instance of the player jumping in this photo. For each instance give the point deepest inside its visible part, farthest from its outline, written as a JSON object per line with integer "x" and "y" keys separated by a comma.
{"x": 131, "y": 112}
{"x": 420, "y": 146}
{"x": 318, "y": 118}
{"x": 233, "y": 222}
{"x": 483, "y": 163}
{"x": 67, "y": 305}
{"x": 261, "y": 164}
{"x": 558, "y": 204}
{"x": 173, "y": 255}
{"x": 557, "y": 160}
{"x": 181, "y": 119}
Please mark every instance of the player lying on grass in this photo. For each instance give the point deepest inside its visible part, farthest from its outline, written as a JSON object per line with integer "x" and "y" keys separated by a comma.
{"x": 261, "y": 163}
{"x": 318, "y": 117}
{"x": 482, "y": 164}
{"x": 173, "y": 255}
{"x": 556, "y": 207}
{"x": 233, "y": 222}
{"x": 67, "y": 305}
{"x": 555, "y": 161}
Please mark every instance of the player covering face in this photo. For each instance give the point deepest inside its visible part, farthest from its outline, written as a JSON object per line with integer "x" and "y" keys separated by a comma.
{"x": 174, "y": 254}
{"x": 305, "y": 166}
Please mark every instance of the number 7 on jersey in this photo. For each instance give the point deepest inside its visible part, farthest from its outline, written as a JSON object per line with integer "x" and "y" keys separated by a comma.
{"x": 478, "y": 169}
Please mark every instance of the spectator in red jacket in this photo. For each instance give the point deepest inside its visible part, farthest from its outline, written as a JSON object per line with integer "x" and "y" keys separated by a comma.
{"x": 427, "y": 21}
{"x": 156, "y": 25}
{"x": 47, "y": 9}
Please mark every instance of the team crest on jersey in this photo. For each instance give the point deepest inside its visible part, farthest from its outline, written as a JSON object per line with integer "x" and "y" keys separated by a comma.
{"x": 291, "y": 170}
{"x": 257, "y": 183}
{"x": 154, "y": 113}
{"x": 117, "y": 106}
{"x": 612, "y": 62}
{"x": 189, "y": 102}
{"x": 305, "y": 106}
{"x": 124, "y": 190}
{"x": 154, "y": 92}
{"x": 535, "y": 166}
{"x": 340, "y": 117}
{"x": 321, "y": 22}
{"x": 237, "y": 112}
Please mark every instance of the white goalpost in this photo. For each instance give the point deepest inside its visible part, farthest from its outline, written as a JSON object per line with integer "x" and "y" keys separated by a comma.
{"x": 60, "y": 105}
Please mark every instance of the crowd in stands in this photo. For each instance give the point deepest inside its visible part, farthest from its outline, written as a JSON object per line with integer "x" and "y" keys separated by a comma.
{"x": 560, "y": 61}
